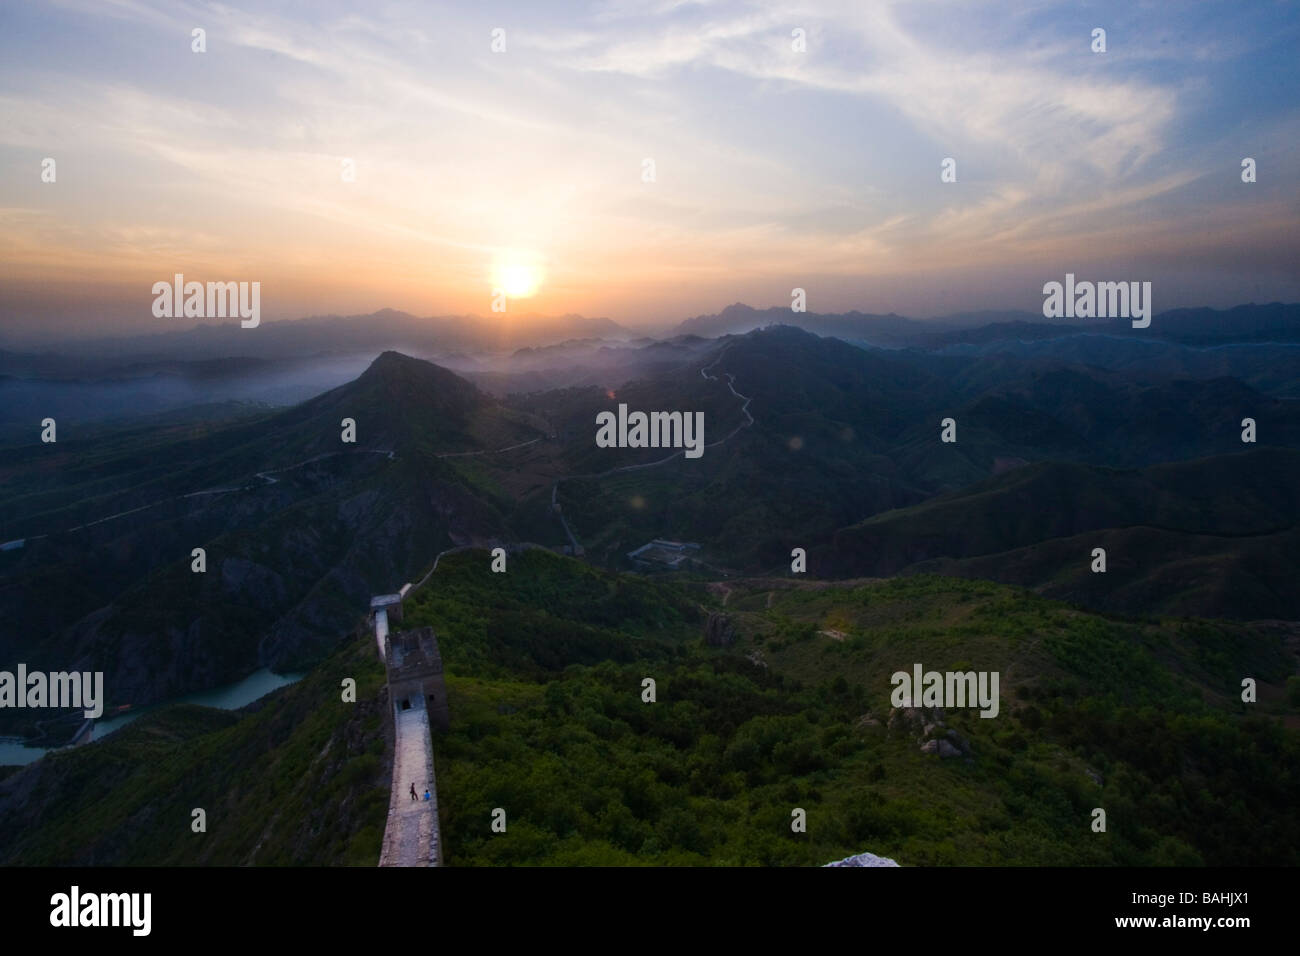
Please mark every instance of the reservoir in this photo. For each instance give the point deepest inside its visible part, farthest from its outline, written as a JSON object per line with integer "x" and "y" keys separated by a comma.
{"x": 227, "y": 697}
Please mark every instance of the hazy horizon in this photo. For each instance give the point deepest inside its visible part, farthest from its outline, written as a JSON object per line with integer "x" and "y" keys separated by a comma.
{"x": 44, "y": 338}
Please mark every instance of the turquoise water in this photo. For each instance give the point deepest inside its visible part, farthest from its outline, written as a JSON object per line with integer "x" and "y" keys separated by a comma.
{"x": 228, "y": 697}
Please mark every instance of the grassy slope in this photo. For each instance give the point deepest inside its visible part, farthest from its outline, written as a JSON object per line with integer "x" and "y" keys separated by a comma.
{"x": 301, "y": 780}
{"x": 710, "y": 773}
{"x": 545, "y": 668}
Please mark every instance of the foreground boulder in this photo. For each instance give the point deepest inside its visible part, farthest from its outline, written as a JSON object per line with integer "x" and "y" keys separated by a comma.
{"x": 864, "y": 859}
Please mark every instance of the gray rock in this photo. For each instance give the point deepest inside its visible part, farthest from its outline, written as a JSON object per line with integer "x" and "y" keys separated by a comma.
{"x": 864, "y": 859}
{"x": 946, "y": 749}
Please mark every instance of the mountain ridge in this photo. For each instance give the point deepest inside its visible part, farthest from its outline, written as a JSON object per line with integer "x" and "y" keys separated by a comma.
{"x": 299, "y": 529}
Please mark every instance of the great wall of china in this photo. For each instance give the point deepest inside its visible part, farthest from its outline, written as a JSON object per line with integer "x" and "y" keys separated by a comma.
{"x": 418, "y": 696}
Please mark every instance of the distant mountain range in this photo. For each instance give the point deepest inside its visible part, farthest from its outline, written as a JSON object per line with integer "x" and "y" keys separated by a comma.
{"x": 1274, "y": 322}
{"x": 738, "y": 318}
{"x": 335, "y": 334}
{"x": 389, "y": 328}
{"x": 842, "y": 434}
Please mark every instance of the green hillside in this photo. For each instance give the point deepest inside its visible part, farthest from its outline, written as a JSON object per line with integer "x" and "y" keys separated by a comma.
{"x": 844, "y": 435}
{"x": 302, "y": 779}
{"x": 299, "y": 530}
{"x": 710, "y": 773}
{"x": 1213, "y": 537}
{"x": 545, "y": 665}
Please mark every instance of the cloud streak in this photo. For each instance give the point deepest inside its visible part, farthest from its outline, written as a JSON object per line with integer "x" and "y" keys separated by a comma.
{"x": 774, "y": 167}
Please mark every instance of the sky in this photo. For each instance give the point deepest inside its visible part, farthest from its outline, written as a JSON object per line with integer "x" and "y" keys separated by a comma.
{"x": 790, "y": 145}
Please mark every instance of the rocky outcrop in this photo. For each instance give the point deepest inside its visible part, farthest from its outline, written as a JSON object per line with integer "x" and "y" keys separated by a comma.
{"x": 864, "y": 859}
{"x": 926, "y": 726}
{"x": 914, "y": 720}
{"x": 940, "y": 746}
{"x": 719, "y": 630}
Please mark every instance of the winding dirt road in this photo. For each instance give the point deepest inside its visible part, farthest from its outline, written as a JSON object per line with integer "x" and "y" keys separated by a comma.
{"x": 731, "y": 379}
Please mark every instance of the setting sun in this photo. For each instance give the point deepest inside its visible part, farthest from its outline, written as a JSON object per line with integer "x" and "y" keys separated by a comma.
{"x": 517, "y": 278}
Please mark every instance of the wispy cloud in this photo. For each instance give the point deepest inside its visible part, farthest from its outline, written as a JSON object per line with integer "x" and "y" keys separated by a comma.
{"x": 820, "y": 162}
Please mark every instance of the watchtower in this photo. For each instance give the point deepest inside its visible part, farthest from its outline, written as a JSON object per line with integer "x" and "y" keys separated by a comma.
{"x": 414, "y": 667}
{"x": 390, "y": 604}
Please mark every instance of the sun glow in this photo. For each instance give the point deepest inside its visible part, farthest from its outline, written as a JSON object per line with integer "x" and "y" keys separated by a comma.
{"x": 517, "y": 276}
